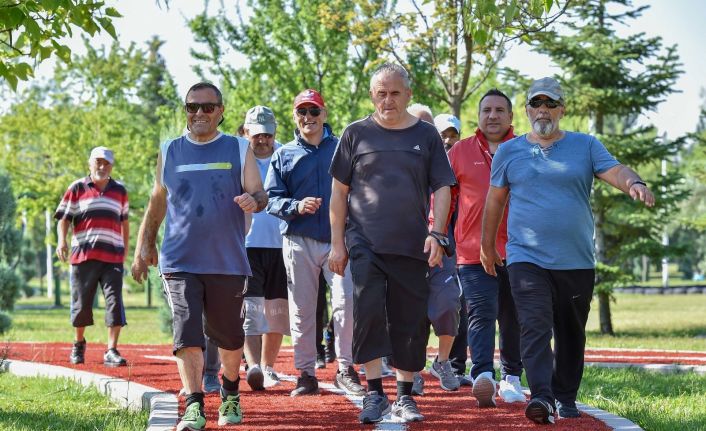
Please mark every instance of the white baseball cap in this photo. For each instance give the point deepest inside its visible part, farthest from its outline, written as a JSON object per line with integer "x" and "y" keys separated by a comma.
{"x": 102, "y": 153}
{"x": 445, "y": 121}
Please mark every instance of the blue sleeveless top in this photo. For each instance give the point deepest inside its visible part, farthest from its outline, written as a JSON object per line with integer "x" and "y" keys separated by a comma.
{"x": 204, "y": 231}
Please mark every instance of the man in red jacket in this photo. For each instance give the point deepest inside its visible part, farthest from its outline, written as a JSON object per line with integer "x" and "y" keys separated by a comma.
{"x": 487, "y": 298}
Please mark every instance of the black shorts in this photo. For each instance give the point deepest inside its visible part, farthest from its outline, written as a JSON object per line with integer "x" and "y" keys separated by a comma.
{"x": 206, "y": 303}
{"x": 85, "y": 278}
{"x": 269, "y": 276}
{"x": 389, "y": 308}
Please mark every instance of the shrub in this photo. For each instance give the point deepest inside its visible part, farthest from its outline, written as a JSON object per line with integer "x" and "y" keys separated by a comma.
{"x": 10, "y": 287}
{"x": 5, "y": 322}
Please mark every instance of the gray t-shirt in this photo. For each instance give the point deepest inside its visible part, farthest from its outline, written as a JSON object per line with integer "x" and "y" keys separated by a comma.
{"x": 550, "y": 222}
{"x": 390, "y": 174}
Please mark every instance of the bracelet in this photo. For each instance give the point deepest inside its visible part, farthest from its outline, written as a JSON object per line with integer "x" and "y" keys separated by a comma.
{"x": 638, "y": 182}
{"x": 435, "y": 234}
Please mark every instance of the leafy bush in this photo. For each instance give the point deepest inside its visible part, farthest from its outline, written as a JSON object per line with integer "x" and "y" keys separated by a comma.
{"x": 10, "y": 286}
{"x": 5, "y": 322}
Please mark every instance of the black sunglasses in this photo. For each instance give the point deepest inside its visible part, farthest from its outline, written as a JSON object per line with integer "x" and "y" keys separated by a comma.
{"x": 549, "y": 103}
{"x": 313, "y": 111}
{"x": 206, "y": 108}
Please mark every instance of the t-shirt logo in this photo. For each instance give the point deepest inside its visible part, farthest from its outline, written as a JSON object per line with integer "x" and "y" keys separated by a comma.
{"x": 416, "y": 147}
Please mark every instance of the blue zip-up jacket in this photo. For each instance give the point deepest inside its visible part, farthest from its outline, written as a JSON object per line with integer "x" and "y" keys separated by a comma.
{"x": 300, "y": 170}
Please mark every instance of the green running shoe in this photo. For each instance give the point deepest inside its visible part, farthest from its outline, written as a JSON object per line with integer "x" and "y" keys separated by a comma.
{"x": 193, "y": 419}
{"x": 229, "y": 412}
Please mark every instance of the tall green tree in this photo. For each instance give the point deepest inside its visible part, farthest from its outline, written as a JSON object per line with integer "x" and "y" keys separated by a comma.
{"x": 10, "y": 239}
{"x": 450, "y": 46}
{"x": 33, "y": 30}
{"x": 611, "y": 80}
{"x": 290, "y": 45}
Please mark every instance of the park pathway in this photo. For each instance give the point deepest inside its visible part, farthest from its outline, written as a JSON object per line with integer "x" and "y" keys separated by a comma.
{"x": 274, "y": 409}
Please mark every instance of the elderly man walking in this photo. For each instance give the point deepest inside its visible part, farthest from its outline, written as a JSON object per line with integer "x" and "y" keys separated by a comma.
{"x": 96, "y": 208}
{"x": 384, "y": 169}
{"x": 299, "y": 187}
{"x": 547, "y": 175}
{"x": 205, "y": 183}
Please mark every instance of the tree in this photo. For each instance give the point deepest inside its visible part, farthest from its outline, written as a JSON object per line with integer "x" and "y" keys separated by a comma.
{"x": 290, "y": 47}
{"x": 10, "y": 238}
{"x": 450, "y": 46}
{"x": 32, "y": 31}
{"x": 611, "y": 80}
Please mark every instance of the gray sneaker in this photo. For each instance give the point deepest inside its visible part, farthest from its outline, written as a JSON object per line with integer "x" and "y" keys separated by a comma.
{"x": 348, "y": 381}
{"x": 418, "y": 384}
{"x": 255, "y": 378}
{"x": 443, "y": 371}
{"x": 405, "y": 408}
{"x": 484, "y": 389}
{"x": 375, "y": 407}
{"x": 464, "y": 380}
{"x": 211, "y": 384}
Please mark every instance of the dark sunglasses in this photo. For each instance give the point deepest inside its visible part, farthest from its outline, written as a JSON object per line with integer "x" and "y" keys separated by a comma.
{"x": 551, "y": 104}
{"x": 313, "y": 111}
{"x": 206, "y": 108}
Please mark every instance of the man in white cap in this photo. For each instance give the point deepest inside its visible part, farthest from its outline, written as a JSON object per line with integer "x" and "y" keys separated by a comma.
{"x": 449, "y": 127}
{"x": 100, "y": 238}
{"x": 266, "y": 309}
{"x": 547, "y": 175}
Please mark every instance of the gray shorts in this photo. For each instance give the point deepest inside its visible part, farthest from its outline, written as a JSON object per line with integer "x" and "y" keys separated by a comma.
{"x": 206, "y": 303}
{"x": 266, "y": 315}
{"x": 444, "y": 298}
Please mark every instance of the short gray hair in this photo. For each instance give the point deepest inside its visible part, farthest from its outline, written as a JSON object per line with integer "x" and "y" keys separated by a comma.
{"x": 417, "y": 108}
{"x": 391, "y": 68}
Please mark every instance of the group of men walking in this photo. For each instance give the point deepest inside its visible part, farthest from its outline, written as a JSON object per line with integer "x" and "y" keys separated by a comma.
{"x": 410, "y": 227}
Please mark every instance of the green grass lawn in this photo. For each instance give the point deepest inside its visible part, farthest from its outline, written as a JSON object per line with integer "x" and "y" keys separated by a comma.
{"x": 656, "y": 402}
{"x": 36, "y": 404}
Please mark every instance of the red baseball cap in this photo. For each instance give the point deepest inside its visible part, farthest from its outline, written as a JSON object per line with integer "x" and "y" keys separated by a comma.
{"x": 309, "y": 96}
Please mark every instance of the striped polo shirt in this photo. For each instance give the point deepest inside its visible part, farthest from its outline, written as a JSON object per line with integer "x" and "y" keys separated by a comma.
{"x": 96, "y": 217}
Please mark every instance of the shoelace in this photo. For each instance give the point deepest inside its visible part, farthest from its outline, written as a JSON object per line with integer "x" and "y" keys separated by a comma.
{"x": 192, "y": 413}
{"x": 370, "y": 401}
{"x": 409, "y": 405}
{"x": 230, "y": 407}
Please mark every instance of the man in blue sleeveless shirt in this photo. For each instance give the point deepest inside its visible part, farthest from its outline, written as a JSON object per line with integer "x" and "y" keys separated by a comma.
{"x": 205, "y": 183}
{"x": 548, "y": 175}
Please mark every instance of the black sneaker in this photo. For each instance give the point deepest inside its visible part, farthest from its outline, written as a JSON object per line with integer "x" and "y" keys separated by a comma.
{"x": 540, "y": 411}
{"x": 348, "y": 381}
{"x": 306, "y": 385}
{"x": 78, "y": 350}
{"x": 329, "y": 347}
{"x": 375, "y": 407}
{"x": 567, "y": 410}
{"x": 112, "y": 358}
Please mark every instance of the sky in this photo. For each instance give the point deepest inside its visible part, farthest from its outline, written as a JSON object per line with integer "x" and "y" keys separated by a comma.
{"x": 680, "y": 22}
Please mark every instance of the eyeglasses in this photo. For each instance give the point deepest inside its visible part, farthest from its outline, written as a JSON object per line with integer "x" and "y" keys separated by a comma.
{"x": 551, "y": 104}
{"x": 313, "y": 111}
{"x": 206, "y": 108}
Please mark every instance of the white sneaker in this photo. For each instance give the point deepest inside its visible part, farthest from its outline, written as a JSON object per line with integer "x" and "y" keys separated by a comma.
{"x": 271, "y": 378}
{"x": 484, "y": 390}
{"x": 511, "y": 390}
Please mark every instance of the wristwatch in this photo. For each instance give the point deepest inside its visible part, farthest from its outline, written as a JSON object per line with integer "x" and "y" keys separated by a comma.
{"x": 444, "y": 242}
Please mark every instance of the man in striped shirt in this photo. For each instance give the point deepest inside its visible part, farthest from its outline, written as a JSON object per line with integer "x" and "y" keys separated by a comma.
{"x": 96, "y": 208}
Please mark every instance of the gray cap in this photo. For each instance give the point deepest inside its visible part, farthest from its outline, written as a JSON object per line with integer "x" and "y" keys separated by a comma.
{"x": 102, "y": 153}
{"x": 545, "y": 86}
{"x": 260, "y": 119}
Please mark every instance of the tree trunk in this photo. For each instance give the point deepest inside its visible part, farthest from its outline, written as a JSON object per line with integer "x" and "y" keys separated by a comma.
{"x": 604, "y": 313}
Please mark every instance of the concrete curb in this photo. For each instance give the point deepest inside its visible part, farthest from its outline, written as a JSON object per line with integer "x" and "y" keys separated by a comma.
{"x": 616, "y": 422}
{"x": 163, "y": 407}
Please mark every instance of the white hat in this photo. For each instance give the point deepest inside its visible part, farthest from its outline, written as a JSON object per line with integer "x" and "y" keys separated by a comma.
{"x": 102, "y": 153}
{"x": 445, "y": 121}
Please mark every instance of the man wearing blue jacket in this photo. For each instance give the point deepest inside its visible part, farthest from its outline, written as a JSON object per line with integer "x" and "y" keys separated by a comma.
{"x": 299, "y": 187}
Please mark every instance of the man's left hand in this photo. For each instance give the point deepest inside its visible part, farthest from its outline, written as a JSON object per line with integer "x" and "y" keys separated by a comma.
{"x": 642, "y": 193}
{"x": 247, "y": 202}
{"x": 435, "y": 251}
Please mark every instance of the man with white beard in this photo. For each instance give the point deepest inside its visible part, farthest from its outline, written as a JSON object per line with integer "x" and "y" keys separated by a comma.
{"x": 547, "y": 175}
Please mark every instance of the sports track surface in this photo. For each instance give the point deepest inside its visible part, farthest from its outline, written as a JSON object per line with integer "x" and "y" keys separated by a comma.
{"x": 274, "y": 409}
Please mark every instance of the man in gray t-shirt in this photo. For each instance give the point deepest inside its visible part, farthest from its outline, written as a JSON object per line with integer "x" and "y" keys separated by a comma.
{"x": 547, "y": 175}
{"x": 383, "y": 170}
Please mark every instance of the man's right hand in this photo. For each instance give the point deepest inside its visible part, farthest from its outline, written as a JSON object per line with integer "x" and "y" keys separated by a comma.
{"x": 142, "y": 262}
{"x": 489, "y": 257}
{"x": 62, "y": 250}
{"x": 338, "y": 259}
{"x": 309, "y": 205}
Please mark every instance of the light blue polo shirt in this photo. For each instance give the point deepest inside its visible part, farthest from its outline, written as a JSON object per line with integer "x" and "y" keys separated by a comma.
{"x": 550, "y": 222}
{"x": 265, "y": 228}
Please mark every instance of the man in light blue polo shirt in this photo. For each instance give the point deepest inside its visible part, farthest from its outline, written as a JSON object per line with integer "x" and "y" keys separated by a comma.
{"x": 548, "y": 175}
